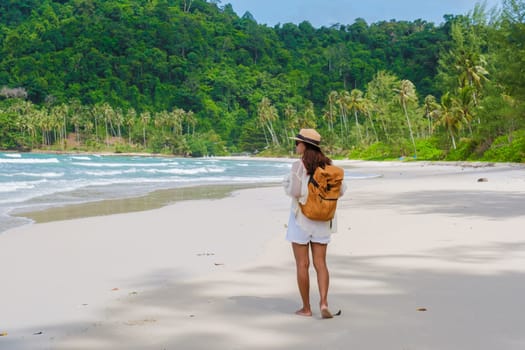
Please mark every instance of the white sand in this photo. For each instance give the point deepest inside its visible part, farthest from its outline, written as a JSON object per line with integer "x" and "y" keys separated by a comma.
{"x": 218, "y": 274}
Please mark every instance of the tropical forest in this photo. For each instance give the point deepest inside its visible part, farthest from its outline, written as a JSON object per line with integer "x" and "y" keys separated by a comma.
{"x": 194, "y": 78}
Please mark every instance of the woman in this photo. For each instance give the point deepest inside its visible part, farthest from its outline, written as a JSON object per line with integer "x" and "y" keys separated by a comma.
{"x": 303, "y": 233}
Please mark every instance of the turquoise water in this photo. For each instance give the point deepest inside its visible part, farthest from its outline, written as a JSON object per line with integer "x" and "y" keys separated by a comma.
{"x": 37, "y": 181}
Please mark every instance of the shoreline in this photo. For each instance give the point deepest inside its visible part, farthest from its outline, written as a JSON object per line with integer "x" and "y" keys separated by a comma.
{"x": 427, "y": 246}
{"x": 82, "y": 197}
{"x": 150, "y": 201}
{"x": 161, "y": 198}
{"x": 465, "y": 163}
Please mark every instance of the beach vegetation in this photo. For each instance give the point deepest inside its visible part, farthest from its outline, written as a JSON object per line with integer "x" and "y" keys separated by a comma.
{"x": 466, "y": 149}
{"x": 507, "y": 149}
{"x": 429, "y": 149}
{"x": 193, "y": 78}
{"x": 382, "y": 151}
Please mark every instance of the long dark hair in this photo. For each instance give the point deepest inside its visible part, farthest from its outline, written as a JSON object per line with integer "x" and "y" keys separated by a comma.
{"x": 313, "y": 158}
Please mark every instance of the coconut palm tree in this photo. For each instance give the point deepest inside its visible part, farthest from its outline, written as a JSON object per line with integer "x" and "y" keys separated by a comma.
{"x": 368, "y": 106}
{"x": 431, "y": 111}
{"x": 118, "y": 117}
{"x": 178, "y": 115}
{"x": 129, "y": 120}
{"x": 465, "y": 102}
{"x": 342, "y": 103}
{"x": 290, "y": 121}
{"x": 108, "y": 114}
{"x": 267, "y": 114}
{"x": 381, "y": 92}
{"x": 160, "y": 120}
{"x": 307, "y": 117}
{"x": 26, "y": 112}
{"x": 406, "y": 93}
{"x": 60, "y": 114}
{"x": 97, "y": 114}
{"x": 472, "y": 72}
{"x": 355, "y": 103}
{"x": 332, "y": 105}
{"x": 145, "y": 117}
{"x": 464, "y": 65}
{"x": 45, "y": 123}
{"x": 191, "y": 121}
{"x": 56, "y": 123}
{"x": 449, "y": 117}
{"x": 77, "y": 113}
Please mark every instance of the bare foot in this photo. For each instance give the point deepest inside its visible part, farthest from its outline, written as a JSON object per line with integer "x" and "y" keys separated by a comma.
{"x": 325, "y": 313}
{"x": 303, "y": 312}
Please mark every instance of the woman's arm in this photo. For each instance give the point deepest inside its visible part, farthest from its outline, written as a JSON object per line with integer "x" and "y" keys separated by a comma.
{"x": 293, "y": 182}
{"x": 296, "y": 179}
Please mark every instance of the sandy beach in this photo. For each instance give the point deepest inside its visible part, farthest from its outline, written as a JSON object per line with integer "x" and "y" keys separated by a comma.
{"x": 428, "y": 256}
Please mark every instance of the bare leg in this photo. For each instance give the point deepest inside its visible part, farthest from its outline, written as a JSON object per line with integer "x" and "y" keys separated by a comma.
{"x": 323, "y": 277}
{"x": 302, "y": 262}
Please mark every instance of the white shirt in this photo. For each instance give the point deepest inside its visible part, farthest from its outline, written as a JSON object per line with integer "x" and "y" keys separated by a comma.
{"x": 296, "y": 186}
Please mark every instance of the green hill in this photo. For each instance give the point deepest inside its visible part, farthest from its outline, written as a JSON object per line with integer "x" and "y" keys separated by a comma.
{"x": 194, "y": 78}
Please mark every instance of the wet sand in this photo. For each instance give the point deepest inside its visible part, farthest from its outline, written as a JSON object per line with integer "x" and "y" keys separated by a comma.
{"x": 154, "y": 200}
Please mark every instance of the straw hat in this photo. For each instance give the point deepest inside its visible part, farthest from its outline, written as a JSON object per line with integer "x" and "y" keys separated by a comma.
{"x": 309, "y": 136}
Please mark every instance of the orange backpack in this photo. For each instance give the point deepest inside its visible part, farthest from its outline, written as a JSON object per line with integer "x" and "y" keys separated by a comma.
{"x": 324, "y": 189}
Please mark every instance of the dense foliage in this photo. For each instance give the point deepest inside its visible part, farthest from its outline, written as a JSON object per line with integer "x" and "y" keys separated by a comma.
{"x": 191, "y": 77}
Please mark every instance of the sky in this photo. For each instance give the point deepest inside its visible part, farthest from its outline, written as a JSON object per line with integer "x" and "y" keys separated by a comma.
{"x": 328, "y": 12}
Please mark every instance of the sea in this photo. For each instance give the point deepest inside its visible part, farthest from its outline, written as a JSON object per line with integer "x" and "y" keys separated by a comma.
{"x": 32, "y": 182}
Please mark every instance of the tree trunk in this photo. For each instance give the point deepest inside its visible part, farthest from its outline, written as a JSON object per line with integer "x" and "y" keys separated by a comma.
{"x": 373, "y": 126}
{"x": 410, "y": 129}
{"x": 452, "y": 138}
{"x": 357, "y": 126}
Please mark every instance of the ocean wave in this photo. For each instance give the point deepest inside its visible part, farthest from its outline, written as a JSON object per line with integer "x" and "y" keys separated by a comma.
{"x": 48, "y": 174}
{"x": 194, "y": 171}
{"x": 177, "y": 171}
{"x": 109, "y": 172}
{"x": 19, "y": 185}
{"x": 12, "y": 155}
{"x": 167, "y": 161}
{"x": 119, "y": 165}
{"x": 29, "y": 161}
{"x": 80, "y": 158}
{"x": 281, "y": 165}
{"x": 38, "y": 190}
{"x": 176, "y": 181}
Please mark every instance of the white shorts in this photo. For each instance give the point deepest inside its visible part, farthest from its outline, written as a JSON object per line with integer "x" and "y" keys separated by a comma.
{"x": 295, "y": 234}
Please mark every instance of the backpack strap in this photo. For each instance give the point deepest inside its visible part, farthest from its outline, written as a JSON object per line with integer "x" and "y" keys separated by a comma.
{"x": 312, "y": 180}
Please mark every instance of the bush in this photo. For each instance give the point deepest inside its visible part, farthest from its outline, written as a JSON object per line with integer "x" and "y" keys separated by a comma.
{"x": 159, "y": 143}
{"x": 507, "y": 148}
{"x": 278, "y": 151}
{"x": 126, "y": 148}
{"x": 208, "y": 144}
{"x": 428, "y": 150}
{"x": 465, "y": 150}
{"x": 197, "y": 147}
{"x": 376, "y": 151}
